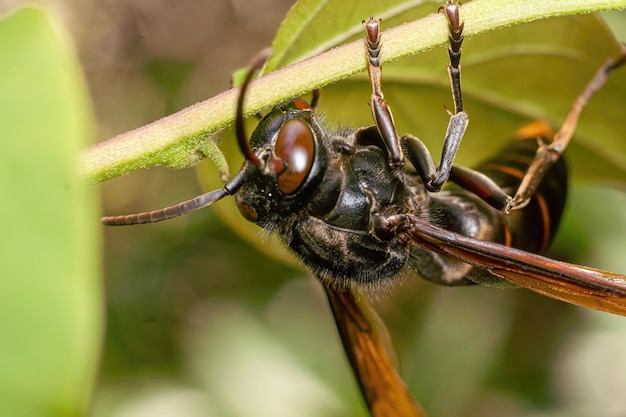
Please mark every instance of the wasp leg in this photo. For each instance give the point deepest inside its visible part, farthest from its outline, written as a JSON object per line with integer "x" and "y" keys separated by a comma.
{"x": 433, "y": 177}
{"x": 455, "y": 27}
{"x": 419, "y": 156}
{"x": 481, "y": 185}
{"x": 380, "y": 110}
{"x": 548, "y": 154}
{"x": 471, "y": 180}
{"x": 458, "y": 119}
{"x": 468, "y": 179}
{"x": 417, "y": 153}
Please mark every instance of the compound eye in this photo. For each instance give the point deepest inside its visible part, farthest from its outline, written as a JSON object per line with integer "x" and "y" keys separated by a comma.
{"x": 295, "y": 145}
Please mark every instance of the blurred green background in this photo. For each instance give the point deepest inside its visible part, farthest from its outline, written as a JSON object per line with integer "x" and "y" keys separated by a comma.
{"x": 201, "y": 323}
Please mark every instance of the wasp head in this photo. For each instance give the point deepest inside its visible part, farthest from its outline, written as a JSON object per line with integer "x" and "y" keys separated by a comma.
{"x": 288, "y": 165}
{"x": 285, "y": 163}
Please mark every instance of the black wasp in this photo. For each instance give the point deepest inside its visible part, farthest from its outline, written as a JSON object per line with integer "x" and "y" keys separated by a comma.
{"x": 344, "y": 202}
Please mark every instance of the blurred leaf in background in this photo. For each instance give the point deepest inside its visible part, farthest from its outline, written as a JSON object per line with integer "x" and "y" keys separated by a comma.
{"x": 50, "y": 281}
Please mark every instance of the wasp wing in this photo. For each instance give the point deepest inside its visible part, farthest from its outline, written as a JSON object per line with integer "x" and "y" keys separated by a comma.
{"x": 360, "y": 331}
{"x": 580, "y": 285}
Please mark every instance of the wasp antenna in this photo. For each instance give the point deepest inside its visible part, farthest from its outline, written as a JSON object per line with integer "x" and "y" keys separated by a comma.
{"x": 240, "y": 130}
{"x": 166, "y": 213}
{"x": 179, "y": 209}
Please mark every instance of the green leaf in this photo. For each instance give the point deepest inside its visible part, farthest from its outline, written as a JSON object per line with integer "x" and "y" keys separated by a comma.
{"x": 313, "y": 26}
{"x": 50, "y": 298}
